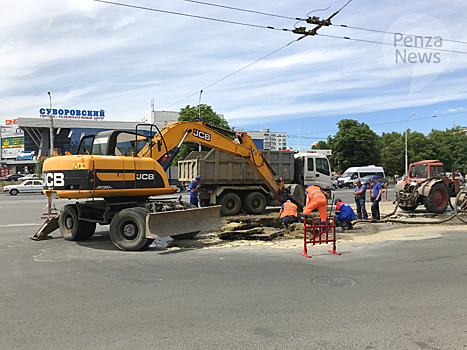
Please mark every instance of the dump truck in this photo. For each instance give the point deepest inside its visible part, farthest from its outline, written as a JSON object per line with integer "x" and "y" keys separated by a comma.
{"x": 426, "y": 184}
{"x": 117, "y": 175}
{"x": 230, "y": 182}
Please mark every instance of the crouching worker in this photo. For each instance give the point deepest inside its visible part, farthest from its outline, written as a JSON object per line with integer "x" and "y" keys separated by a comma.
{"x": 344, "y": 214}
{"x": 288, "y": 214}
{"x": 315, "y": 199}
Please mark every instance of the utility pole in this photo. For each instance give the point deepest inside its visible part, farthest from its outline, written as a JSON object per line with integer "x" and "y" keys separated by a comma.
{"x": 51, "y": 119}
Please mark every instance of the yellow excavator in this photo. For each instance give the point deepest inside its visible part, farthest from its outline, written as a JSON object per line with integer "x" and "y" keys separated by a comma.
{"x": 117, "y": 173}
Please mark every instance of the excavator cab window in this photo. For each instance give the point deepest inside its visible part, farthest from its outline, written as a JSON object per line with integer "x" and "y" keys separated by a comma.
{"x": 129, "y": 144}
{"x": 85, "y": 145}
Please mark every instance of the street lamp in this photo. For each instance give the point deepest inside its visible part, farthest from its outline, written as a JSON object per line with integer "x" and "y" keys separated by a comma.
{"x": 51, "y": 127}
{"x": 406, "y": 158}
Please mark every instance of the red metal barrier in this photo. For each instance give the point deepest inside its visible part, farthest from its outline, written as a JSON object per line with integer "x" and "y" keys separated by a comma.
{"x": 317, "y": 238}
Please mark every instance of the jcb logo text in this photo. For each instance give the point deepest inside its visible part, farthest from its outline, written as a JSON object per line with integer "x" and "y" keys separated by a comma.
{"x": 202, "y": 135}
{"x": 55, "y": 179}
{"x": 145, "y": 177}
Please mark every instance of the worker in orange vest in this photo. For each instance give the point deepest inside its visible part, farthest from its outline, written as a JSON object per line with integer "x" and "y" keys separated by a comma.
{"x": 288, "y": 214}
{"x": 315, "y": 199}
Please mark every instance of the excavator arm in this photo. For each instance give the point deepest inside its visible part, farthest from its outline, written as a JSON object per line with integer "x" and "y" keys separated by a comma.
{"x": 173, "y": 135}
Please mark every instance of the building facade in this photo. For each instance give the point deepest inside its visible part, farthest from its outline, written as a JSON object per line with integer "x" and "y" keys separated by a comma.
{"x": 267, "y": 140}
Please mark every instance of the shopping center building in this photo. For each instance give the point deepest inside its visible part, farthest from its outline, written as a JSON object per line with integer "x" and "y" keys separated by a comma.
{"x": 26, "y": 139}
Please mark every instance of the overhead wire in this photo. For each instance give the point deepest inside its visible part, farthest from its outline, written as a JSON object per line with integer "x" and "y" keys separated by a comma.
{"x": 243, "y": 10}
{"x": 237, "y": 71}
{"x": 379, "y": 124}
{"x": 194, "y": 16}
{"x": 383, "y": 43}
{"x": 393, "y": 33}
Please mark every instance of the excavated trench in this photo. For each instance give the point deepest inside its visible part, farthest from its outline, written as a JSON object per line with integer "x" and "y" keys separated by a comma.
{"x": 244, "y": 229}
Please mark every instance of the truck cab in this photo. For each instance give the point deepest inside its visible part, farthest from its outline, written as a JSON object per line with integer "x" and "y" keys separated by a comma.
{"x": 315, "y": 169}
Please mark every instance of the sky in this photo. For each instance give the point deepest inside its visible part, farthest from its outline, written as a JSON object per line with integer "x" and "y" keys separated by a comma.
{"x": 93, "y": 55}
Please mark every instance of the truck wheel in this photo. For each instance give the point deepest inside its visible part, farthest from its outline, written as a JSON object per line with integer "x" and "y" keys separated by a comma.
{"x": 14, "y": 192}
{"x": 437, "y": 200}
{"x": 231, "y": 204}
{"x": 254, "y": 203}
{"x": 128, "y": 228}
{"x": 73, "y": 229}
{"x": 408, "y": 208}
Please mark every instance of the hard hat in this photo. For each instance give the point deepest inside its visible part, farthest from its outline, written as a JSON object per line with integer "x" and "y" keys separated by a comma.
{"x": 373, "y": 178}
{"x": 198, "y": 178}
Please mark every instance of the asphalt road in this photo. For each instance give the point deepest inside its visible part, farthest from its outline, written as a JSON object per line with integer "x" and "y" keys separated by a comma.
{"x": 382, "y": 295}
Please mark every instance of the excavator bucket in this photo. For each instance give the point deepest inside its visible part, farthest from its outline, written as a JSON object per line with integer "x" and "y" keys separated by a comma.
{"x": 50, "y": 225}
{"x": 297, "y": 195}
{"x": 182, "y": 222}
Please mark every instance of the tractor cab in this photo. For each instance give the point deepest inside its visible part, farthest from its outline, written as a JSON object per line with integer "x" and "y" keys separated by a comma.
{"x": 427, "y": 169}
{"x": 112, "y": 143}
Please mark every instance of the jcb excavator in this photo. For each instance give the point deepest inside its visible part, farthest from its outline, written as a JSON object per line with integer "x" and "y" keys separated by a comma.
{"x": 118, "y": 172}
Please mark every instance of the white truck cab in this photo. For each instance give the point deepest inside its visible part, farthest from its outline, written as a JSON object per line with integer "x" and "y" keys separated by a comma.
{"x": 352, "y": 174}
{"x": 315, "y": 168}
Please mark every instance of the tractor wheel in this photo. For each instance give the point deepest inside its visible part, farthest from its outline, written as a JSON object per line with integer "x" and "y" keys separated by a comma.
{"x": 128, "y": 228}
{"x": 437, "y": 200}
{"x": 254, "y": 203}
{"x": 73, "y": 229}
{"x": 231, "y": 204}
{"x": 408, "y": 208}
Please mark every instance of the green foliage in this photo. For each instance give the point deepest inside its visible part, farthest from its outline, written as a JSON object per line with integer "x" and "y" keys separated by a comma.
{"x": 355, "y": 144}
{"x": 190, "y": 113}
{"x": 38, "y": 168}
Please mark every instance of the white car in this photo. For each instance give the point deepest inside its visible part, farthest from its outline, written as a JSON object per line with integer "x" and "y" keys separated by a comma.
{"x": 29, "y": 177}
{"x": 28, "y": 186}
{"x": 457, "y": 176}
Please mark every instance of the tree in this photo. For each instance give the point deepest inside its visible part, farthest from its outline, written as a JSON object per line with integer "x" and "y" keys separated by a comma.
{"x": 39, "y": 165}
{"x": 190, "y": 113}
{"x": 355, "y": 144}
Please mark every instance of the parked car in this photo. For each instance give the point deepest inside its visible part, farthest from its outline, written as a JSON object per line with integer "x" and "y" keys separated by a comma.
{"x": 366, "y": 180}
{"x": 457, "y": 176}
{"x": 28, "y": 186}
{"x": 335, "y": 183}
{"x": 29, "y": 177}
{"x": 13, "y": 177}
{"x": 175, "y": 182}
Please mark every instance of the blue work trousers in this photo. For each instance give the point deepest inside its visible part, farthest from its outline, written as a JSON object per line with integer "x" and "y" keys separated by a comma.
{"x": 194, "y": 200}
{"x": 375, "y": 209}
{"x": 361, "y": 210}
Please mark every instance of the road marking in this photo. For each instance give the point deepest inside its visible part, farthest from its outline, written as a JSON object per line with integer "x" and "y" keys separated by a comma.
{"x": 19, "y": 225}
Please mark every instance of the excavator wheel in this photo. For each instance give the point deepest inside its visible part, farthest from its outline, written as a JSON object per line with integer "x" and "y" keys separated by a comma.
{"x": 128, "y": 229}
{"x": 437, "y": 200}
{"x": 254, "y": 203}
{"x": 73, "y": 229}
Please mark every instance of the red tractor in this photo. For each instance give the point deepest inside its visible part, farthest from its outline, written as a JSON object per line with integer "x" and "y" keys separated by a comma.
{"x": 426, "y": 183}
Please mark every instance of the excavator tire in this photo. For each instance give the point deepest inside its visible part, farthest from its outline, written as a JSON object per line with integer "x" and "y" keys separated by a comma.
{"x": 231, "y": 204}
{"x": 437, "y": 200}
{"x": 73, "y": 229}
{"x": 128, "y": 229}
{"x": 254, "y": 203}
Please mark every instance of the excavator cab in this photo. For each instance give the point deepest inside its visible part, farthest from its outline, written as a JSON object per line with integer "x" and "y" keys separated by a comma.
{"x": 113, "y": 143}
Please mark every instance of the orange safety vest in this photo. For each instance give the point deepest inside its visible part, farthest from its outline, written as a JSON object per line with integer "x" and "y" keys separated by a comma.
{"x": 313, "y": 192}
{"x": 289, "y": 209}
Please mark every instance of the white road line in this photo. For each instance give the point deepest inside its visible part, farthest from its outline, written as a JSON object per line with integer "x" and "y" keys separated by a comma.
{"x": 19, "y": 225}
